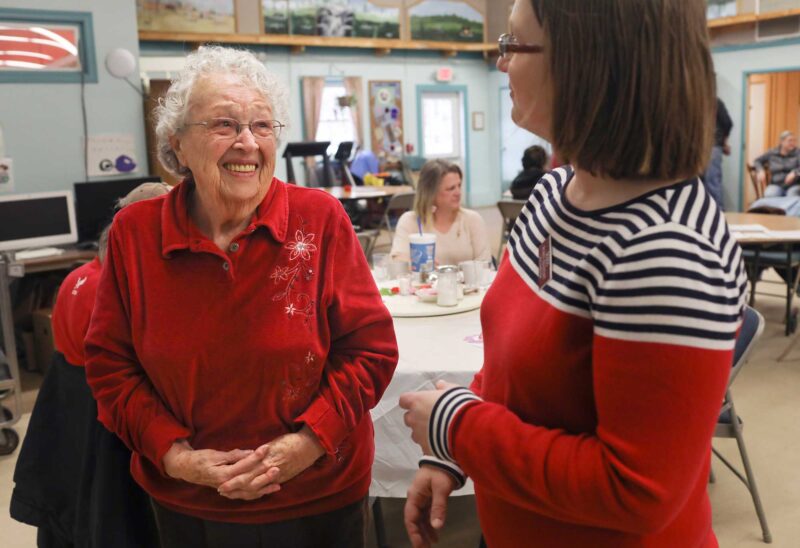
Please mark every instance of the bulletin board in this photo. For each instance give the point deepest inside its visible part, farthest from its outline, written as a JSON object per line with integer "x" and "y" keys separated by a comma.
{"x": 386, "y": 120}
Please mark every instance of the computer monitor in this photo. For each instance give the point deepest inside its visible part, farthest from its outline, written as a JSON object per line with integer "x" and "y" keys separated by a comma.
{"x": 37, "y": 220}
{"x": 95, "y": 201}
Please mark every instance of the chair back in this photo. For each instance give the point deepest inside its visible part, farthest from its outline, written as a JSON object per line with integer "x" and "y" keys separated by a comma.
{"x": 510, "y": 210}
{"x": 758, "y": 187}
{"x": 750, "y": 331}
{"x": 403, "y": 201}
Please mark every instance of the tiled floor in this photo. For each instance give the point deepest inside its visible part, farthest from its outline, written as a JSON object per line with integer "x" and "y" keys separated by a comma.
{"x": 766, "y": 394}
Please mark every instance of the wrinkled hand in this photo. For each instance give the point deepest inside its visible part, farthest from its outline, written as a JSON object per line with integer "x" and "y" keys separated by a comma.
{"x": 210, "y": 467}
{"x": 281, "y": 459}
{"x": 426, "y": 505}
{"x": 418, "y": 406}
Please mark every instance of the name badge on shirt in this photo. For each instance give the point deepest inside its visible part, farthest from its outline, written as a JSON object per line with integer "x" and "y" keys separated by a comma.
{"x": 545, "y": 261}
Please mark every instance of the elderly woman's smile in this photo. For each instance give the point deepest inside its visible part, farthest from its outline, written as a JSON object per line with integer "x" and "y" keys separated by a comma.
{"x": 227, "y": 141}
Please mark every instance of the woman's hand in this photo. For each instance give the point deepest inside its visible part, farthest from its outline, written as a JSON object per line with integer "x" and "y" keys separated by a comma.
{"x": 282, "y": 459}
{"x": 418, "y": 407}
{"x": 426, "y": 505}
{"x": 213, "y": 468}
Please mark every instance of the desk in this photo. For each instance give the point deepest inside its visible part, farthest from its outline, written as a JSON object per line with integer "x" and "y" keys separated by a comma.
{"x": 781, "y": 240}
{"x": 430, "y": 349}
{"x": 17, "y": 269}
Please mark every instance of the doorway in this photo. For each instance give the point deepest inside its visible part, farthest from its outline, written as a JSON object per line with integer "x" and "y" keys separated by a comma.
{"x": 772, "y": 105}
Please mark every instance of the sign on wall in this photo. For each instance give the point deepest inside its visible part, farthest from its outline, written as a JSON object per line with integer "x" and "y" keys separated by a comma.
{"x": 113, "y": 154}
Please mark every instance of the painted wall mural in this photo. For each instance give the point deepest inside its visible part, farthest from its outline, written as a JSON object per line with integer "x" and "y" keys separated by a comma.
{"x": 208, "y": 16}
{"x": 359, "y": 18}
{"x": 446, "y": 21}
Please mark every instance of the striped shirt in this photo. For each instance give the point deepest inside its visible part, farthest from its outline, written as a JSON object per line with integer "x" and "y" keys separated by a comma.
{"x": 608, "y": 343}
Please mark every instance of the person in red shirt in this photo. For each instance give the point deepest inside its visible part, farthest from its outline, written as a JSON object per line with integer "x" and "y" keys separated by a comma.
{"x": 71, "y": 479}
{"x": 610, "y": 327}
{"x": 238, "y": 341}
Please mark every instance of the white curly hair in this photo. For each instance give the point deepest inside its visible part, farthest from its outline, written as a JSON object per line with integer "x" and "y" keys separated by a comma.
{"x": 170, "y": 114}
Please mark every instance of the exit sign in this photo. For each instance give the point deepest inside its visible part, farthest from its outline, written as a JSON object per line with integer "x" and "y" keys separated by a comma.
{"x": 444, "y": 74}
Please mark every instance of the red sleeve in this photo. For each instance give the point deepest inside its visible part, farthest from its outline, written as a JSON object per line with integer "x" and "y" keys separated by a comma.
{"x": 477, "y": 383}
{"x": 657, "y": 405}
{"x": 127, "y": 403}
{"x": 363, "y": 348}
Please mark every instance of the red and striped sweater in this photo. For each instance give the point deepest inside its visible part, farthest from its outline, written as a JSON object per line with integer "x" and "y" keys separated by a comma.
{"x": 590, "y": 423}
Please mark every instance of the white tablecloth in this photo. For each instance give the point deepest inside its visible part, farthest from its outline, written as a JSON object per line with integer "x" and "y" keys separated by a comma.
{"x": 430, "y": 349}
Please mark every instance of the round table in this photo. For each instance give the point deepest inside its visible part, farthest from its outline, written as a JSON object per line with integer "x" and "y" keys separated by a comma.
{"x": 431, "y": 348}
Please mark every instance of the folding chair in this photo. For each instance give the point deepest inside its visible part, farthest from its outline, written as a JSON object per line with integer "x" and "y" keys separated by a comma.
{"x": 729, "y": 424}
{"x": 367, "y": 239}
{"x": 398, "y": 204}
{"x": 509, "y": 210}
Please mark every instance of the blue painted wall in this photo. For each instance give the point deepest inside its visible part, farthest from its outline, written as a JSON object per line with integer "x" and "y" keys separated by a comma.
{"x": 42, "y": 123}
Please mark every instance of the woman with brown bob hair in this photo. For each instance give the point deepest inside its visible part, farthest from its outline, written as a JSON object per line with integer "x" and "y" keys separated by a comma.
{"x": 609, "y": 330}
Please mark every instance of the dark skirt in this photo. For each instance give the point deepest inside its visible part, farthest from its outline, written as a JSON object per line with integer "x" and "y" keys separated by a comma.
{"x": 342, "y": 528}
{"x": 72, "y": 479}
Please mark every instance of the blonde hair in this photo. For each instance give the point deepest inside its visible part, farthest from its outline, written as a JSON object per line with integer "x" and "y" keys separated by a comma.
{"x": 430, "y": 179}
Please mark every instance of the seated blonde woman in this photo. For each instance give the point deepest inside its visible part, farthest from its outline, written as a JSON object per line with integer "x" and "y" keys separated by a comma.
{"x": 460, "y": 233}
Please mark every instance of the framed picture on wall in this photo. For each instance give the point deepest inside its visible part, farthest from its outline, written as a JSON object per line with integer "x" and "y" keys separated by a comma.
{"x": 446, "y": 21}
{"x": 48, "y": 46}
{"x": 386, "y": 120}
{"x": 202, "y": 16}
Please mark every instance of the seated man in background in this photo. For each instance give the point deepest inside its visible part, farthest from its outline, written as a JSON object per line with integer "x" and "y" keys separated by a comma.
{"x": 534, "y": 162}
{"x": 783, "y": 162}
{"x": 72, "y": 476}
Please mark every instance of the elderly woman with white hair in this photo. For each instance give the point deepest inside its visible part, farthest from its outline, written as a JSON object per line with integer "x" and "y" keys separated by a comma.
{"x": 229, "y": 348}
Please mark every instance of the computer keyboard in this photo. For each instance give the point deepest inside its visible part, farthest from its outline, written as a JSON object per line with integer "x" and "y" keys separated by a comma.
{"x": 38, "y": 253}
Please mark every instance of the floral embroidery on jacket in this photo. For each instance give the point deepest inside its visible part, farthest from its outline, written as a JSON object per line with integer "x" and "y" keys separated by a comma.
{"x": 296, "y": 302}
{"x": 302, "y": 381}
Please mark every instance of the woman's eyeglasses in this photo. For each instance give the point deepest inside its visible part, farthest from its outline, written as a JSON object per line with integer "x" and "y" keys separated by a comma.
{"x": 228, "y": 128}
{"x": 507, "y": 44}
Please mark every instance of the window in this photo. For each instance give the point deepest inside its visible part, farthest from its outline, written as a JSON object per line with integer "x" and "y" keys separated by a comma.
{"x": 514, "y": 140}
{"x": 442, "y": 124}
{"x": 335, "y": 121}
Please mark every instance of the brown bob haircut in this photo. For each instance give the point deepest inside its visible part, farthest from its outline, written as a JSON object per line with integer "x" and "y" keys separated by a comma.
{"x": 634, "y": 88}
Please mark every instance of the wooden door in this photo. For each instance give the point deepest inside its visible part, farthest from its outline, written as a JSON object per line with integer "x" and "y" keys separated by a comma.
{"x": 157, "y": 89}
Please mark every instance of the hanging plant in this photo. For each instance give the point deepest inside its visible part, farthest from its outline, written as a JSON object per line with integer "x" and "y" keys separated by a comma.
{"x": 347, "y": 101}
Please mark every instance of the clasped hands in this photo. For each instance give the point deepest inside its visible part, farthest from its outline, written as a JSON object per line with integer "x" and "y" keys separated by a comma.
{"x": 245, "y": 474}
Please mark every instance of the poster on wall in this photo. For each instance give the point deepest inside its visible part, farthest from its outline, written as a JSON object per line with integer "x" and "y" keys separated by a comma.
{"x": 111, "y": 154}
{"x": 386, "y": 120}
{"x": 207, "y": 16}
{"x": 360, "y": 18}
{"x": 446, "y": 21}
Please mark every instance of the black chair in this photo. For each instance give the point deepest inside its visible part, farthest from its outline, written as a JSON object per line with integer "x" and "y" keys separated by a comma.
{"x": 303, "y": 149}
{"x": 730, "y": 425}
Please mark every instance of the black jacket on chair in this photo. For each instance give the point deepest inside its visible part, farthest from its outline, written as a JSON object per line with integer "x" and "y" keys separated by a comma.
{"x": 72, "y": 478}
